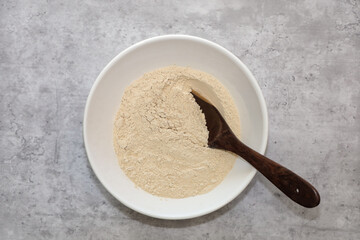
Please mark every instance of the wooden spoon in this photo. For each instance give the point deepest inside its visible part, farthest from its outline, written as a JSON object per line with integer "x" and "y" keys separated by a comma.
{"x": 221, "y": 137}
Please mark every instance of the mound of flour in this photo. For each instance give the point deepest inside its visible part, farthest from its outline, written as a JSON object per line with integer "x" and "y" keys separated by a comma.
{"x": 160, "y": 134}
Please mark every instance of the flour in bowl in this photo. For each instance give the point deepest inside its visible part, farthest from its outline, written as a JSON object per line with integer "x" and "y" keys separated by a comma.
{"x": 160, "y": 134}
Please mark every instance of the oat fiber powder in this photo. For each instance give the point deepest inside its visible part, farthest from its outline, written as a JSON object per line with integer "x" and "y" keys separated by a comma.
{"x": 160, "y": 134}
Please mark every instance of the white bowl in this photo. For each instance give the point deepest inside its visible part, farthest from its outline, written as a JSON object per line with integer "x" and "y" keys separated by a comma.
{"x": 104, "y": 101}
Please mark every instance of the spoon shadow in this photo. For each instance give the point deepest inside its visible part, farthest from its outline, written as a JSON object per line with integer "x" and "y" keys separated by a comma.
{"x": 298, "y": 210}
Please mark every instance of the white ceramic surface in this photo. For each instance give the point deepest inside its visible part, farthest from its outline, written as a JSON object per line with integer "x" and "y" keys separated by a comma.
{"x": 104, "y": 100}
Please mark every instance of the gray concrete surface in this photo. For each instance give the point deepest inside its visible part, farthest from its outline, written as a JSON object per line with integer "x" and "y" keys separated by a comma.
{"x": 304, "y": 54}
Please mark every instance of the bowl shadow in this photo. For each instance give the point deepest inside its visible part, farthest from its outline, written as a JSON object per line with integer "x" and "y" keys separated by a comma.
{"x": 168, "y": 223}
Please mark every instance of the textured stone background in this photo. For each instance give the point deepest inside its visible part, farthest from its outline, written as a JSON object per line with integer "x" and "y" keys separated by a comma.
{"x": 304, "y": 54}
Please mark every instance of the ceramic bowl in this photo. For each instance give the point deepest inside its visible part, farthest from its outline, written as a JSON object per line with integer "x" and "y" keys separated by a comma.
{"x": 105, "y": 97}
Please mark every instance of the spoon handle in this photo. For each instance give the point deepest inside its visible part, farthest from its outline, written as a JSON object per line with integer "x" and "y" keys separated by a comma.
{"x": 292, "y": 185}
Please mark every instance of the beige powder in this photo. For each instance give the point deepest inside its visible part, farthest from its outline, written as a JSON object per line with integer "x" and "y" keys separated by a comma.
{"x": 160, "y": 134}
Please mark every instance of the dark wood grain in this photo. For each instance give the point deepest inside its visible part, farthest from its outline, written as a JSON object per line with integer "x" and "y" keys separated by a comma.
{"x": 222, "y": 137}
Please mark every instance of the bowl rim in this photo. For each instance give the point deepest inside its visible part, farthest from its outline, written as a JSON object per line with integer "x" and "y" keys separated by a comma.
{"x": 224, "y": 51}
